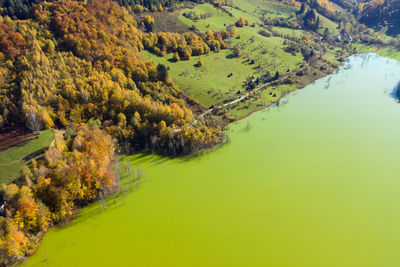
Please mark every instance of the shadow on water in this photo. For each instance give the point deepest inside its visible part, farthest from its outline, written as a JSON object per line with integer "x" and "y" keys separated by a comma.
{"x": 152, "y": 158}
{"x": 130, "y": 180}
{"x": 146, "y": 158}
{"x": 396, "y": 92}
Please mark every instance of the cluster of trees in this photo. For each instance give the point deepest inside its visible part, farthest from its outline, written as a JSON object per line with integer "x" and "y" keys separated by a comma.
{"x": 185, "y": 45}
{"x": 220, "y": 3}
{"x": 311, "y": 20}
{"x": 309, "y": 48}
{"x": 242, "y": 22}
{"x": 148, "y": 23}
{"x": 265, "y": 33}
{"x": 236, "y": 52}
{"x": 360, "y": 33}
{"x": 76, "y": 62}
{"x": 375, "y": 14}
{"x": 196, "y": 16}
{"x": 76, "y": 170}
{"x": 324, "y": 7}
{"x": 282, "y": 22}
{"x": 17, "y": 9}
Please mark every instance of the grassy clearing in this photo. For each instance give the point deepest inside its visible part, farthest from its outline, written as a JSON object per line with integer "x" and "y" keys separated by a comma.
{"x": 280, "y": 10}
{"x": 288, "y": 31}
{"x": 209, "y": 85}
{"x": 389, "y": 52}
{"x": 362, "y": 48}
{"x": 251, "y": 17}
{"x": 217, "y": 22}
{"x": 274, "y": 9}
{"x": 13, "y": 158}
{"x": 327, "y": 23}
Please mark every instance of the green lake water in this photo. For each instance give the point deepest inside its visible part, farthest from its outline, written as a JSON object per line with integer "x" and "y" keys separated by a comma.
{"x": 314, "y": 182}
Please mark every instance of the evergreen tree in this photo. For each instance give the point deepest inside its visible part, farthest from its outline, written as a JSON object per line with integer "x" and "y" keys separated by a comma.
{"x": 303, "y": 8}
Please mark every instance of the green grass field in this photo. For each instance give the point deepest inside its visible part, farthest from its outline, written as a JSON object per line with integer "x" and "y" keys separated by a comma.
{"x": 217, "y": 22}
{"x": 210, "y": 85}
{"x": 13, "y": 158}
{"x": 327, "y": 23}
{"x": 288, "y": 31}
{"x": 361, "y": 48}
{"x": 389, "y": 53}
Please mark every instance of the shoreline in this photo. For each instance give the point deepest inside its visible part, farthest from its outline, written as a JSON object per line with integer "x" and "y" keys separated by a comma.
{"x": 301, "y": 85}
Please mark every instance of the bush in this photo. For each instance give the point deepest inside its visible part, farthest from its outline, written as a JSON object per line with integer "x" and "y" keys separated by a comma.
{"x": 236, "y": 52}
{"x": 265, "y": 33}
{"x": 242, "y": 22}
{"x": 176, "y": 57}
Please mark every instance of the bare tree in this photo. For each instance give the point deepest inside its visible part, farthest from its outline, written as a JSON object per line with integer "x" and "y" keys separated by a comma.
{"x": 131, "y": 174}
{"x": 153, "y": 142}
{"x": 248, "y": 126}
{"x": 102, "y": 201}
{"x": 139, "y": 176}
{"x": 85, "y": 95}
{"x": 33, "y": 121}
{"x": 171, "y": 147}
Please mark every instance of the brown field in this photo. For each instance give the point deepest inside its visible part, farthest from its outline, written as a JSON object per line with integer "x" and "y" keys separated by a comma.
{"x": 14, "y": 136}
{"x": 169, "y": 22}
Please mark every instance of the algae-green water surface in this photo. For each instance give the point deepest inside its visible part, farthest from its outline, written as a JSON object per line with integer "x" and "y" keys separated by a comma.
{"x": 314, "y": 182}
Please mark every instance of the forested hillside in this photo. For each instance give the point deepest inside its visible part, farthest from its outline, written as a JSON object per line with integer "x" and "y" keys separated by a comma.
{"x": 76, "y": 62}
{"x": 378, "y": 13}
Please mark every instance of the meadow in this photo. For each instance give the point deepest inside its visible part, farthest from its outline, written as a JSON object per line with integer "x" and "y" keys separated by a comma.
{"x": 210, "y": 84}
{"x": 13, "y": 158}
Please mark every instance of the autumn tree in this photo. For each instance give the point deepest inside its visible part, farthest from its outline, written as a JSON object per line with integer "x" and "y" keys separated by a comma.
{"x": 236, "y": 52}
{"x": 242, "y": 22}
{"x": 176, "y": 57}
{"x": 200, "y": 63}
{"x": 162, "y": 72}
